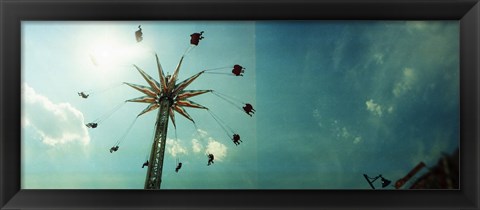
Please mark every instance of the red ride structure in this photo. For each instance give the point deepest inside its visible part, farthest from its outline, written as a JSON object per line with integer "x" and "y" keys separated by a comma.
{"x": 399, "y": 183}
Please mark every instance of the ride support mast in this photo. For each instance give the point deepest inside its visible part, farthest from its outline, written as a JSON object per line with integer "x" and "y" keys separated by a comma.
{"x": 155, "y": 166}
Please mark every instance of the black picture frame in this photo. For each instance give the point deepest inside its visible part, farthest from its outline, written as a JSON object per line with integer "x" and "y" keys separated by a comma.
{"x": 14, "y": 11}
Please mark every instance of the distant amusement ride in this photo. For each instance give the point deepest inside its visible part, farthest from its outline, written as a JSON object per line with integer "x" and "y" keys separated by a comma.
{"x": 170, "y": 96}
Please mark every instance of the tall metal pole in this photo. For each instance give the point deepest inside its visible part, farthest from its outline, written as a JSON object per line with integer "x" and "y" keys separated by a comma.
{"x": 164, "y": 96}
{"x": 370, "y": 182}
{"x": 155, "y": 166}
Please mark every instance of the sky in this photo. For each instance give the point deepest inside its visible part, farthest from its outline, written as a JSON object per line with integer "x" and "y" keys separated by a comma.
{"x": 334, "y": 100}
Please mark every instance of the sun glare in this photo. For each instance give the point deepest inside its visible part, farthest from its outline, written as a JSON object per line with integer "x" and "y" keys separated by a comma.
{"x": 111, "y": 53}
{"x": 110, "y": 50}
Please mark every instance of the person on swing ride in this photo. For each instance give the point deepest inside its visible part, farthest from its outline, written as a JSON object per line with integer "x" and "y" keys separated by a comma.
{"x": 236, "y": 139}
{"x": 249, "y": 108}
{"x": 114, "y": 149}
{"x": 145, "y": 164}
{"x": 210, "y": 159}
{"x": 195, "y": 38}
{"x": 178, "y": 167}
{"x": 238, "y": 70}
{"x": 91, "y": 125}
{"x": 83, "y": 95}
{"x": 138, "y": 34}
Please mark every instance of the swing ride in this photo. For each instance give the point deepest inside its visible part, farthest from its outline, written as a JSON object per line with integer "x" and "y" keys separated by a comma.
{"x": 170, "y": 96}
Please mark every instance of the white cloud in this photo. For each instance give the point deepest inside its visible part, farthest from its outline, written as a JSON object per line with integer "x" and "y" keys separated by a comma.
{"x": 196, "y": 146}
{"x": 357, "y": 140}
{"x": 345, "y": 133}
{"x": 25, "y": 122}
{"x": 175, "y": 147}
{"x": 216, "y": 148}
{"x": 212, "y": 146}
{"x": 416, "y": 25}
{"x": 390, "y": 109}
{"x": 376, "y": 109}
{"x": 318, "y": 117}
{"x": 201, "y": 133}
{"x": 400, "y": 88}
{"x": 378, "y": 57}
{"x": 55, "y": 123}
{"x": 406, "y": 82}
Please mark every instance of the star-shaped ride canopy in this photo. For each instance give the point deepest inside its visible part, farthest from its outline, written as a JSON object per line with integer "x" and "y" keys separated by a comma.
{"x": 167, "y": 88}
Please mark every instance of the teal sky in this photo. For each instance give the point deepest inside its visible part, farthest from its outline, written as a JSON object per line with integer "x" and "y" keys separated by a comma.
{"x": 334, "y": 100}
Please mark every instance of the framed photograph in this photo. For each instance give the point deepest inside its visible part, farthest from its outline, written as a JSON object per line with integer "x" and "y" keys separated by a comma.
{"x": 239, "y": 104}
